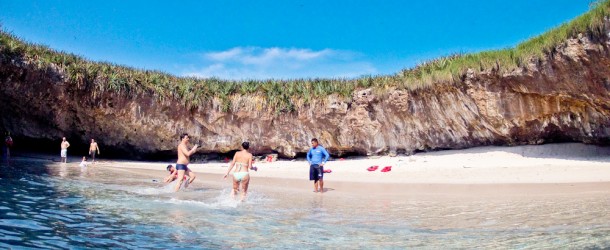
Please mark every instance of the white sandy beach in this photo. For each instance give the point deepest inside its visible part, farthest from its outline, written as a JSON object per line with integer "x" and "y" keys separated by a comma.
{"x": 556, "y": 169}
{"x": 554, "y": 163}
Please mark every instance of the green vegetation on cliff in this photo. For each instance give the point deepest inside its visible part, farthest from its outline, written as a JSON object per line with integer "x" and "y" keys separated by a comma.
{"x": 286, "y": 95}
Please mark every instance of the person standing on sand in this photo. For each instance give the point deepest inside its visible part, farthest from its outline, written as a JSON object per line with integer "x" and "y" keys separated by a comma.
{"x": 243, "y": 161}
{"x": 184, "y": 155}
{"x": 317, "y": 157}
{"x": 64, "y": 150}
{"x": 6, "y": 146}
{"x": 93, "y": 148}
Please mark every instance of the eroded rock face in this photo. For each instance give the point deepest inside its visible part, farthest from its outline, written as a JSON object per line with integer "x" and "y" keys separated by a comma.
{"x": 564, "y": 97}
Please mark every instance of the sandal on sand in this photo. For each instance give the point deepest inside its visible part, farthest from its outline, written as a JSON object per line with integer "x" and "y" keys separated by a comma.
{"x": 372, "y": 168}
{"x": 327, "y": 171}
{"x": 387, "y": 169}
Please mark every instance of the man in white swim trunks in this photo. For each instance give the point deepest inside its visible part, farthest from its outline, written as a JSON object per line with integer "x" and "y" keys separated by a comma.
{"x": 64, "y": 150}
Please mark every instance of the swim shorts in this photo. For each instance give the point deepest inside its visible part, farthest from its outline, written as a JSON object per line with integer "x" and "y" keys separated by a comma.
{"x": 316, "y": 172}
{"x": 181, "y": 167}
{"x": 64, "y": 153}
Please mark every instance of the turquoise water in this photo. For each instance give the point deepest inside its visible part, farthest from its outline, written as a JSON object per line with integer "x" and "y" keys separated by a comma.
{"x": 72, "y": 207}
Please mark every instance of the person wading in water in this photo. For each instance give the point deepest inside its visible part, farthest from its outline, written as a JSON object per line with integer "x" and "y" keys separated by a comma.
{"x": 184, "y": 155}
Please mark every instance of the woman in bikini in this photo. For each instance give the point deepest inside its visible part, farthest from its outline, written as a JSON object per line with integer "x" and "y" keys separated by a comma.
{"x": 242, "y": 161}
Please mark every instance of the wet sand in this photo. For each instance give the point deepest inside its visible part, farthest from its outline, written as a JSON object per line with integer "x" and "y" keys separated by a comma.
{"x": 394, "y": 190}
{"x": 524, "y": 171}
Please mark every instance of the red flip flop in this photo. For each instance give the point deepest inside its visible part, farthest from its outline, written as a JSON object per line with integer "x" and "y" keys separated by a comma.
{"x": 387, "y": 169}
{"x": 372, "y": 168}
{"x": 327, "y": 171}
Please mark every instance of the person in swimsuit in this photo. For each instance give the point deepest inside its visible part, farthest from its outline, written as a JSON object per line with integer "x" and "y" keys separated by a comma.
{"x": 93, "y": 148}
{"x": 173, "y": 174}
{"x": 84, "y": 162}
{"x": 64, "y": 150}
{"x": 242, "y": 161}
{"x": 184, "y": 155}
{"x": 6, "y": 147}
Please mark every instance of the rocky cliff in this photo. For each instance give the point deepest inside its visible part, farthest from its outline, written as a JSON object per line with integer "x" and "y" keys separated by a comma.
{"x": 563, "y": 96}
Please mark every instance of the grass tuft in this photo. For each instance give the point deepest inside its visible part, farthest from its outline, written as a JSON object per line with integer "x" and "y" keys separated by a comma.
{"x": 286, "y": 95}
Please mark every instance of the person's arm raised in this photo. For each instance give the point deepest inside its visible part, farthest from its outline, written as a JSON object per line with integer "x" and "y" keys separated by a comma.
{"x": 192, "y": 151}
{"x": 189, "y": 152}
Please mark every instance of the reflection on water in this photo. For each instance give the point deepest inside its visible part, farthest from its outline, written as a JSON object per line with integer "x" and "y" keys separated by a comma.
{"x": 65, "y": 206}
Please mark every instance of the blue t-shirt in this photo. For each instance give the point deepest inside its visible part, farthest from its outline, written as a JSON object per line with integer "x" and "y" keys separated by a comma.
{"x": 317, "y": 155}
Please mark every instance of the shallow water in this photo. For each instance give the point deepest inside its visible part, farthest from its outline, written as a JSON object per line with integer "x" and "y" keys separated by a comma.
{"x": 59, "y": 206}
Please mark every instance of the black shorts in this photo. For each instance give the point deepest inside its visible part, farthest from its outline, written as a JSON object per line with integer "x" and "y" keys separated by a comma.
{"x": 181, "y": 167}
{"x": 316, "y": 172}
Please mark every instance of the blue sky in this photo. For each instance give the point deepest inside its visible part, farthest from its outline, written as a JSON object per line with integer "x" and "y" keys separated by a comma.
{"x": 259, "y": 39}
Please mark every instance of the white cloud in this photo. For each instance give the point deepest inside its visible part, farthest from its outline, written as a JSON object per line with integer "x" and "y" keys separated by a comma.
{"x": 224, "y": 55}
{"x": 280, "y": 63}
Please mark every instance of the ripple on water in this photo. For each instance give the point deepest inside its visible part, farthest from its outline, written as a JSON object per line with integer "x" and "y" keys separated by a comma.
{"x": 53, "y": 243}
{"x": 71, "y": 200}
{"x": 60, "y": 218}
{"x": 2, "y": 231}
{"x": 26, "y": 224}
{"x": 35, "y": 198}
{"x": 50, "y": 237}
{"x": 75, "y": 216}
{"x": 33, "y": 183}
{"x": 9, "y": 238}
{"x": 25, "y": 208}
{"x": 85, "y": 225}
{"x": 40, "y": 217}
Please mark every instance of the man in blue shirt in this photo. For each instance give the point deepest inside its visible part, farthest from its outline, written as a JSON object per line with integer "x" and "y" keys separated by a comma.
{"x": 317, "y": 157}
